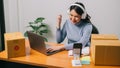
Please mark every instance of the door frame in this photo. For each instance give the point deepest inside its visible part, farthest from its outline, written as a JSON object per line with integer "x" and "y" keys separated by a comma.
{"x": 2, "y": 25}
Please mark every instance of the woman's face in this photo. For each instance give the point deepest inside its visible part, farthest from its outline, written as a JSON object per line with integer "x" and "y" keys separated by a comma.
{"x": 74, "y": 17}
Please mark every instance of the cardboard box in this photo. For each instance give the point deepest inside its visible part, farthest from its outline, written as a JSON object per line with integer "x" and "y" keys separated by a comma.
{"x": 105, "y": 52}
{"x": 104, "y": 37}
{"x": 14, "y": 44}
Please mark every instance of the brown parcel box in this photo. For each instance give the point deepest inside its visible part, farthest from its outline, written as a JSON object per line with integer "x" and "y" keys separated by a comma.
{"x": 14, "y": 44}
{"x": 104, "y": 37}
{"x": 105, "y": 52}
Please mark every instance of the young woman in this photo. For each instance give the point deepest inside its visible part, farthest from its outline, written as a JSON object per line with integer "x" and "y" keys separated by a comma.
{"x": 77, "y": 28}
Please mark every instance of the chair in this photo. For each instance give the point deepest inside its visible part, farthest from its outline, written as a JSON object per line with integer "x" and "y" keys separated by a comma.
{"x": 94, "y": 29}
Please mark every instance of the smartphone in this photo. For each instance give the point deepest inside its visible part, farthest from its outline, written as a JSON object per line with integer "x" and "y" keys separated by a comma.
{"x": 77, "y": 48}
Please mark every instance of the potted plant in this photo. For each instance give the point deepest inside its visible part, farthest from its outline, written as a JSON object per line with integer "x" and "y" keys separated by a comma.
{"x": 38, "y": 27}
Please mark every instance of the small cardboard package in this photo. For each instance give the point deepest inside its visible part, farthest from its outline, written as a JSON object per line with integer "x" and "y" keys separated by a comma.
{"x": 14, "y": 44}
{"x": 105, "y": 52}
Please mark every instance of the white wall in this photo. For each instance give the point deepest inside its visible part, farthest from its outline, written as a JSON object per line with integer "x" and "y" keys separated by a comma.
{"x": 105, "y": 14}
{"x": 11, "y": 15}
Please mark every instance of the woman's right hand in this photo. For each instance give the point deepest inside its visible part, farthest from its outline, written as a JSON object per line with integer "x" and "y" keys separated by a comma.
{"x": 55, "y": 48}
{"x": 59, "y": 19}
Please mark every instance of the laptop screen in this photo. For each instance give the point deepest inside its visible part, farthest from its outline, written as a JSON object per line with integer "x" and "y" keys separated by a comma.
{"x": 36, "y": 42}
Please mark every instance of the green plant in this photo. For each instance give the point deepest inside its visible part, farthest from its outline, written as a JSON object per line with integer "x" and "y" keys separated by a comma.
{"x": 38, "y": 27}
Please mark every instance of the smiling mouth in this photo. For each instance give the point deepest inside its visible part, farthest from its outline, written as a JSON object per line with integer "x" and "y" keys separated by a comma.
{"x": 74, "y": 22}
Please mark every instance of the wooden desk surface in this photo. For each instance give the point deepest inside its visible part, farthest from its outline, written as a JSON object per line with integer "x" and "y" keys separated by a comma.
{"x": 60, "y": 59}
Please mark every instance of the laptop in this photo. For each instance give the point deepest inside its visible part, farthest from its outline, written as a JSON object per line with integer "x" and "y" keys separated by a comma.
{"x": 37, "y": 43}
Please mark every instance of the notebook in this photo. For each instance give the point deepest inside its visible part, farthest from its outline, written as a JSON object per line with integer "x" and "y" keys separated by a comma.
{"x": 37, "y": 43}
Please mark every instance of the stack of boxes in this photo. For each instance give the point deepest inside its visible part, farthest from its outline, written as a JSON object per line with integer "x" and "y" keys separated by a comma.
{"x": 14, "y": 44}
{"x": 105, "y": 49}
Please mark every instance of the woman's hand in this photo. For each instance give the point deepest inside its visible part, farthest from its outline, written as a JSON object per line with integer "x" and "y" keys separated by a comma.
{"x": 59, "y": 19}
{"x": 55, "y": 48}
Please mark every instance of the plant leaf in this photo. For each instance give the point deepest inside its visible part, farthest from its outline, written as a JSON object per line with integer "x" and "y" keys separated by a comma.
{"x": 35, "y": 28}
{"x": 31, "y": 23}
{"x": 25, "y": 34}
{"x": 39, "y": 19}
{"x": 45, "y": 39}
{"x": 44, "y": 31}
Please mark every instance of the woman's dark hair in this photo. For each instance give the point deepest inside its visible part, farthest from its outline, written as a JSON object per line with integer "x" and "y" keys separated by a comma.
{"x": 80, "y": 11}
